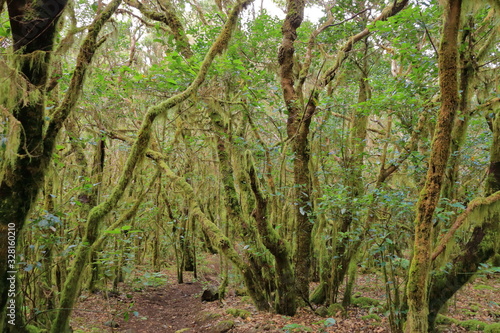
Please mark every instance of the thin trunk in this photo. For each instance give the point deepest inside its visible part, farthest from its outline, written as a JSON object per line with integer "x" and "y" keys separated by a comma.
{"x": 421, "y": 263}
{"x": 467, "y": 77}
{"x": 136, "y": 153}
{"x": 353, "y": 164}
{"x": 93, "y": 200}
{"x": 286, "y": 296}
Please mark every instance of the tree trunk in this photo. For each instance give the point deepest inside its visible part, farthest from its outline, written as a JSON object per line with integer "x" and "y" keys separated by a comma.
{"x": 353, "y": 162}
{"x": 480, "y": 246}
{"x": 421, "y": 263}
{"x": 33, "y": 25}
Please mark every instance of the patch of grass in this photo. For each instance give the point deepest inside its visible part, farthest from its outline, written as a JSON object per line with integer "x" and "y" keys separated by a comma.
{"x": 94, "y": 330}
{"x": 470, "y": 325}
{"x": 182, "y": 330}
{"x": 247, "y": 299}
{"x": 474, "y": 307}
{"x": 468, "y": 312}
{"x": 443, "y": 320}
{"x": 297, "y": 328}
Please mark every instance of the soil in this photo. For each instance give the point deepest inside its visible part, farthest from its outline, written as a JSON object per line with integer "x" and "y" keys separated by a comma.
{"x": 155, "y": 303}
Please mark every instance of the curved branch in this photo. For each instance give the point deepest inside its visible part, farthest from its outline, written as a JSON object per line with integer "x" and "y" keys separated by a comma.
{"x": 476, "y": 205}
{"x": 389, "y": 11}
{"x": 87, "y": 51}
{"x": 169, "y": 18}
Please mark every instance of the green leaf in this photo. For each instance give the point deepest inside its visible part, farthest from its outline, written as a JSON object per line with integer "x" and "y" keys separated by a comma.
{"x": 330, "y": 322}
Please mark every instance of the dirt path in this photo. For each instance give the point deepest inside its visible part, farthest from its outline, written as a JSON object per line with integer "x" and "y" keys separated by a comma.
{"x": 166, "y": 310}
{"x": 171, "y": 307}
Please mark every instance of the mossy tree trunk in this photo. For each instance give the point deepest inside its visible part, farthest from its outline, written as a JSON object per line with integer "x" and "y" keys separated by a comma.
{"x": 482, "y": 216}
{"x": 256, "y": 256}
{"x": 92, "y": 199}
{"x": 353, "y": 164}
{"x": 286, "y": 293}
{"x": 33, "y": 26}
{"x": 471, "y": 53}
{"x": 479, "y": 246}
{"x": 418, "y": 278}
{"x": 298, "y": 122}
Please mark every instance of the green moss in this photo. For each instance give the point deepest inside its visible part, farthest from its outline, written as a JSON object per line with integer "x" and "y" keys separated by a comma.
{"x": 474, "y": 307}
{"x": 223, "y": 326}
{"x": 468, "y": 312}
{"x": 247, "y": 299}
{"x": 443, "y": 320}
{"x": 335, "y": 308}
{"x": 319, "y": 294}
{"x": 365, "y": 302}
{"x": 496, "y": 260}
{"x": 473, "y": 325}
{"x": 241, "y": 291}
{"x": 238, "y": 313}
{"x": 483, "y": 287}
{"x": 205, "y": 316}
{"x": 372, "y": 316}
{"x": 322, "y": 311}
{"x": 34, "y": 329}
{"x": 492, "y": 328}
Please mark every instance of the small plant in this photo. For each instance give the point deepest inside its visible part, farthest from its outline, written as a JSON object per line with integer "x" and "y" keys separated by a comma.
{"x": 328, "y": 322}
{"x": 154, "y": 279}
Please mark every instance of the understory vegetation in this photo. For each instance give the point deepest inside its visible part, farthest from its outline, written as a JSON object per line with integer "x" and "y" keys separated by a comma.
{"x": 304, "y": 143}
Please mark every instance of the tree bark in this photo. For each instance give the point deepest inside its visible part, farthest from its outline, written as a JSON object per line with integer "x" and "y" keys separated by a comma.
{"x": 483, "y": 214}
{"x": 33, "y": 25}
{"x": 421, "y": 263}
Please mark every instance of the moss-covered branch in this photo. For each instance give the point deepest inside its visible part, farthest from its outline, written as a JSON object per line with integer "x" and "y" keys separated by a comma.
{"x": 127, "y": 216}
{"x": 391, "y": 10}
{"x": 286, "y": 298}
{"x": 83, "y": 60}
{"x": 478, "y": 210}
{"x": 169, "y": 18}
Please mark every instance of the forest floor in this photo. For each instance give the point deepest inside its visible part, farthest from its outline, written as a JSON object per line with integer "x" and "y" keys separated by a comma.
{"x": 155, "y": 303}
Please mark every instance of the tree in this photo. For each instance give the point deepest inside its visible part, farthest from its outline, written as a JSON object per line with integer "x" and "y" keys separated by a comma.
{"x": 429, "y": 196}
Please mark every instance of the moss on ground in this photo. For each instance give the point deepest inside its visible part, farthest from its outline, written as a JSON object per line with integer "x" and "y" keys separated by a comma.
{"x": 238, "y": 313}
{"x": 470, "y": 325}
{"x": 365, "y": 302}
{"x": 372, "y": 316}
